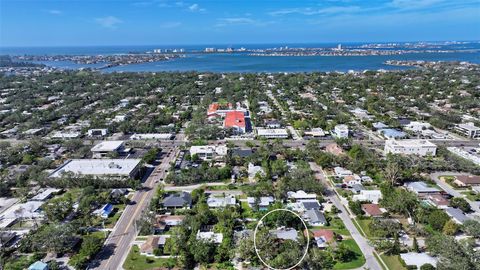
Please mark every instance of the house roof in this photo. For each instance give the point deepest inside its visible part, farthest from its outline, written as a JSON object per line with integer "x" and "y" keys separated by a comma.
{"x": 457, "y": 214}
{"x": 177, "y": 200}
{"x": 329, "y": 235}
{"x": 418, "y": 259}
{"x": 421, "y": 187}
{"x": 150, "y": 244}
{"x": 334, "y": 149}
{"x": 310, "y": 204}
{"x": 235, "y": 119}
{"x": 372, "y": 209}
{"x": 285, "y": 233}
{"x": 469, "y": 179}
{"x": 315, "y": 216}
{"x": 242, "y": 152}
{"x": 438, "y": 200}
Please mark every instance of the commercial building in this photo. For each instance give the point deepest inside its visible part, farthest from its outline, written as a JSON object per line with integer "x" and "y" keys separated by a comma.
{"x": 100, "y": 168}
{"x": 468, "y": 130}
{"x": 409, "y": 147}
{"x": 152, "y": 136}
{"x": 276, "y": 133}
{"x": 315, "y": 132}
{"x": 107, "y": 148}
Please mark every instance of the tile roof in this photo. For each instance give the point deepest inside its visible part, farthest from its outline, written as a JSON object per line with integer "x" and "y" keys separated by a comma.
{"x": 235, "y": 119}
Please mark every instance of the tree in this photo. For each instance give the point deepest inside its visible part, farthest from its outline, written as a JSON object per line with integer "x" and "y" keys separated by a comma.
{"x": 450, "y": 228}
{"x": 459, "y": 202}
{"x": 392, "y": 172}
{"x": 355, "y": 207}
{"x": 319, "y": 259}
{"x": 202, "y": 251}
{"x": 437, "y": 219}
{"x": 415, "y": 247}
{"x": 427, "y": 266}
{"x": 472, "y": 228}
{"x": 57, "y": 209}
{"x": 343, "y": 253}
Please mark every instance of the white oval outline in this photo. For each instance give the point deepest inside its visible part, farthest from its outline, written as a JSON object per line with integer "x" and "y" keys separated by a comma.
{"x": 255, "y": 239}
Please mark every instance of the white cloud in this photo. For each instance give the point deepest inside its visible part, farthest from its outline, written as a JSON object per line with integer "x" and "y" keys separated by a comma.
{"x": 195, "y": 8}
{"x": 412, "y": 4}
{"x": 317, "y": 11}
{"x": 108, "y": 22}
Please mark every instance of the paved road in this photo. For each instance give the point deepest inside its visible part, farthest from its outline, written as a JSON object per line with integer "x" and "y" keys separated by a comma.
{"x": 192, "y": 187}
{"x": 367, "y": 250}
{"x": 118, "y": 243}
{"x": 436, "y": 177}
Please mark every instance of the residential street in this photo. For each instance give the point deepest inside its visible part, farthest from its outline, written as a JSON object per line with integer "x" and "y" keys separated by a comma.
{"x": 367, "y": 250}
{"x": 436, "y": 177}
{"x": 118, "y": 243}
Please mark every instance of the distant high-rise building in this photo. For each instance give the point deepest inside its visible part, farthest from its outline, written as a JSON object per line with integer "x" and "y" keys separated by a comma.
{"x": 339, "y": 47}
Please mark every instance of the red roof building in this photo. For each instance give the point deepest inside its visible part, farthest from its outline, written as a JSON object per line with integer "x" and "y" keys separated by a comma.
{"x": 372, "y": 210}
{"x": 236, "y": 120}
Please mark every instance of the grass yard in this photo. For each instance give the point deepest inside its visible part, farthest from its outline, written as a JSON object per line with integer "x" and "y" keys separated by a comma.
{"x": 471, "y": 195}
{"x": 359, "y": 260}
{"x": 364, "y": 225}
{"x": 393, "y": 262}
{"x": 135, "y": 261}
{"x": 336, "y": 225}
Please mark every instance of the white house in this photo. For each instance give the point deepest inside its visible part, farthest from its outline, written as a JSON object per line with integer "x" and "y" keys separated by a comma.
{"x": 372, "y": 196}
{"x": 253, "y": 171}
{"x": 209, "y": 152}
{"x": 417, "y": 126}
{"x": 218, "y": 202}
{"x": 341, "y": 131}
{"x": 341, "y": 172}
{"x": 216, "y": 238}
{"x": 410, "y": 147}
{"x": 301, "y": 195}
{"x": 263, "y": 202}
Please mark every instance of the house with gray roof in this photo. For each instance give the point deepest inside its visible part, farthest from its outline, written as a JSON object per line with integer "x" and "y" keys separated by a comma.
{"x": 315, "y": 218}
{"x": 421, "y": 188}
{"x": 457, "y": 215}
{"x": 285, "y": 233}
{"x": 178, "y": 200}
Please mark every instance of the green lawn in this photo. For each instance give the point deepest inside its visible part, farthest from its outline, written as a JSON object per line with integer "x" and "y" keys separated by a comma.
{"x": 336, "y": 225}
{"x": 393, "y": 262}
{"x": 364, "y": 224}
{"x": 135, "y": 261}
{"x": 471, "y": 195}
{"x": 359, "y": 260}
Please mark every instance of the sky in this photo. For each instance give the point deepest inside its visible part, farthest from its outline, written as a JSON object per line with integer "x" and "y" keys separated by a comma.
{"x": 168, "y": 22}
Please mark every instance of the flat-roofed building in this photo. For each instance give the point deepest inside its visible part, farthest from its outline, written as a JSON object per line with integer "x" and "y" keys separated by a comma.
{"x": 275, "y": 133}
{"x": 97, "y": 132}
{"x": 152, "y": 136}
{"x": 315, "y": 132}
{"x": 468, "y": 130}
{"x": 100, "y": 168}
{"x": 208, "y": 152}
{"x": 107, "y": 148}
{"x": 410, "y": 147}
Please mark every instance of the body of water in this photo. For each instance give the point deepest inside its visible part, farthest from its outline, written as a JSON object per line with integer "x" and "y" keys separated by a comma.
{"x": 242, "y": 62}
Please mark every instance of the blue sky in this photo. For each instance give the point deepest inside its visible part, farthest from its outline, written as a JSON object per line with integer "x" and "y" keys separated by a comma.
{"x": 163, "y": 22}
